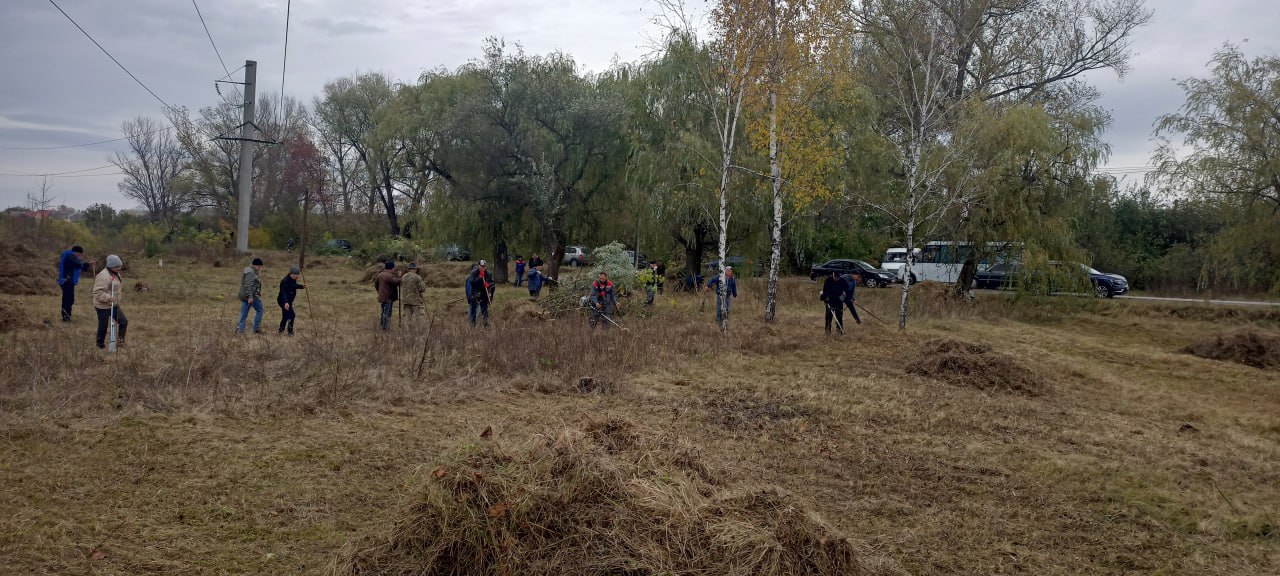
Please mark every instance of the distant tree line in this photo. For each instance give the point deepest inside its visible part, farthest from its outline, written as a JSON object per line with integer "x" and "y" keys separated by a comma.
{"x": 797, "y": 130}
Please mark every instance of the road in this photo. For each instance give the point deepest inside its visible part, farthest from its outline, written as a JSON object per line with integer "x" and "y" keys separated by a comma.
{"x": 1201, "y": 301}
{"x": 1253, "y": 303}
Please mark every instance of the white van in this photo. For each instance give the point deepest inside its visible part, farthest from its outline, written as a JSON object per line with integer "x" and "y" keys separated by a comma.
{"x": 894, "y": 259}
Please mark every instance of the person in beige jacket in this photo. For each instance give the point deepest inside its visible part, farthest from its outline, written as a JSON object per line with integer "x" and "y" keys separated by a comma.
{"x": 106, "y": 300}
{"x": 412, "y": 288}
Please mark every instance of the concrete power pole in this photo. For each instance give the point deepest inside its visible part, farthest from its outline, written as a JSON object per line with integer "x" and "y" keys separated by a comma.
{"x": 245, "y": 185}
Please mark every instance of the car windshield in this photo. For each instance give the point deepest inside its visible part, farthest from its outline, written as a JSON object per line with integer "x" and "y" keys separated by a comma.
{"x": 1090, "y": 270}
{"x": 895, "y": 257}
{"x": 863, "y": 265}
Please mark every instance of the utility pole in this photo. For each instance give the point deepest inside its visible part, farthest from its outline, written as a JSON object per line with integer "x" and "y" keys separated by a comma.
{"x": 247, "y": 140}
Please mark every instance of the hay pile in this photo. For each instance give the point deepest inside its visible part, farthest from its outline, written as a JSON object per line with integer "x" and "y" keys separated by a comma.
{"x": 23, "y": 272}
{"x": 974, "y": 366}
{"x": 1246, "y": 346}
{"x": 11, "y": 317}
{"x": 597, "y": 501}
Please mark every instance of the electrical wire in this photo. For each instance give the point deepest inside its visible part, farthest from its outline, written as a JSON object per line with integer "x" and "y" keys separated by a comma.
{"x": 79, "y": 145}
{"x": 284, "y": 61}
{"x": 62, "y": 173}
{"x": 211, "y": 42}
{"x": 113, "y": 58}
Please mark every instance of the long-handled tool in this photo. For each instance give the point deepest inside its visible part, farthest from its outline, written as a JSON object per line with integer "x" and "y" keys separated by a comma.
{"x": 606, "y": 317}
{"x": 832, "y": 312}
{"x": 399, "y": 308}
{"x": 111, "y": 319}
{"x": 872, "y": 314}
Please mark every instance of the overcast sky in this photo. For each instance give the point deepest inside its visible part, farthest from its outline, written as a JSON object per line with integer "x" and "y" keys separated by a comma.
{"x": 60, "y": 90}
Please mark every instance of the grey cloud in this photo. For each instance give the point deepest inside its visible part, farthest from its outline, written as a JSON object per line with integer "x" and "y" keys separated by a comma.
{"x": 343, "y": 27}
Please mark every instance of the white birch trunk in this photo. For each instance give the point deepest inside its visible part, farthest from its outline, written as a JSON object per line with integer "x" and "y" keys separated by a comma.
{"x": 775, "y": 174}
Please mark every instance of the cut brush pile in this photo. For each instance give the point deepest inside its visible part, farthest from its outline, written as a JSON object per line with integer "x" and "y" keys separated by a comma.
{"x": 974, "y": 366}
{"x": 603, "y": 500}
{"x": 1244, "y": 346}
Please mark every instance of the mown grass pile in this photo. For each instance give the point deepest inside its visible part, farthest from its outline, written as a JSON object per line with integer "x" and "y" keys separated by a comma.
{"x": 603, "y": 500}
{"x": 1247, "y": 346}
{"x": 975, "y": 366}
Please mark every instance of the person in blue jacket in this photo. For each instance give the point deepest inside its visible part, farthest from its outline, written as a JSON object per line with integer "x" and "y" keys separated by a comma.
{"x": 520, "y": 265}
{"x": 479, "y": 287}
{"x": 730, "y": 291}
{"x": 535, "y": 281}
{"x": 832, "y": 296}
{"x": 69, "y": 268}
{"x": 850, "y": 295}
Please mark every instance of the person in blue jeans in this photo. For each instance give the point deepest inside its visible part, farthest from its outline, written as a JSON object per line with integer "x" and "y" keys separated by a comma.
{"x": 520, "y": 265}
{"x": 730, "y": 291}
{"x": 251, "y": 296}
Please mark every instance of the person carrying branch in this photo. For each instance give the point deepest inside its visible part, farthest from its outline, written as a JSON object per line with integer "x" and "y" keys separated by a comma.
{"x": 850, "y": 295}
{"x": 69, "y": 268}
{"x": 412, "y": 287}
{"x": 832, "y": 295}
{"x": 106, "y": 301}
{"x": 289, "y": 287}
{"x": 388, "y": 286}
{"x": 653, "y": 281}
{"x": 479, "y": 288}
{"x": 603, "y": 300}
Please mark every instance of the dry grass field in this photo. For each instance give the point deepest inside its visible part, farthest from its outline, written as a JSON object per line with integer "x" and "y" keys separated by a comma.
{"x": 1032, "y": 436}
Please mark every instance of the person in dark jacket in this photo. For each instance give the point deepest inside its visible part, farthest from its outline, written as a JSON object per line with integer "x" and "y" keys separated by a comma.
{"x": 289, "y": 287}
{"x": 850, "y": 295}
{"x": 251, "y": 296}
{"x": 730, "y": 291}
{"x": 603, "y": 299}
{"x": 832, "y": 295}
{"x": 479, "y": 287}
{"x": 536, "y": 261}
{"x": 535, "y": 281}
{"x": 520, "y": 264}
{"x": 388, "y": 285}
{"x": 69, "y": 268}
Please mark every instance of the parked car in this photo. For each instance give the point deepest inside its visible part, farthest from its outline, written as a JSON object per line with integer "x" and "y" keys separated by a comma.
{"x": 1006, "y": 276}
{"x": 867, "y": 275}
{"x": 576, "y": 256}
{"x": 640, "y": 260}
{"x": 454, "y": 252}
{"x": 338, "y": 244}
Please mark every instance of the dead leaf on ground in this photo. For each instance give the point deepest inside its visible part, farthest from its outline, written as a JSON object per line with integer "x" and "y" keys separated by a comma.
{"x": 97, "y": 555}
{"x": 439, "y": 472}
{"x": 488, "y": 431}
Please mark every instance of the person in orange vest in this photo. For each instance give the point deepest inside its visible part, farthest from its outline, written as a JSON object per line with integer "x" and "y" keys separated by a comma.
{"x": 479, "y": 288}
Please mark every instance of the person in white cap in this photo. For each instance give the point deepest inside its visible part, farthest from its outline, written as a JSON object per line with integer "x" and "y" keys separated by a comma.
{"x": 106, "y": 301}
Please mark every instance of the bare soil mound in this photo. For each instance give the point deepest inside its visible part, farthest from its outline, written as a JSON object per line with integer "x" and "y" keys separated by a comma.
{"x": 975, "y": 366}
{"x": 1246, "y": 346}
{"x": 11, "y": 317}
{"x": 23, "y": 272}
{"x": 604, "y": 500}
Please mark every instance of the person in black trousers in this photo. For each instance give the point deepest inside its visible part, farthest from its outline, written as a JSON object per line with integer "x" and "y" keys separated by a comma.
{"x": 69, "y": 268}
{"x": 289, "y": 287}
{"x": 850, "y": 295}
{"x": 832, "y": 295}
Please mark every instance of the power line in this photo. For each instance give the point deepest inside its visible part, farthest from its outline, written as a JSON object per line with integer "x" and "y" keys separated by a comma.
{"x": 80, "y": 145}
{"x": 211, "y": 42}
{"x": 62, "y": 173}
{"x": 2, "y": 174}
{"x": 284, "y": 62}
{"x": 113, "y": 58}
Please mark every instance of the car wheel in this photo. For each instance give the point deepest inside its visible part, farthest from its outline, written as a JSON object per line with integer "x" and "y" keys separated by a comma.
{"x": 573, "y": 263}
{"x": 911, "y": 280}
{"x": 872, "y": 283}
{"x": 1101, "y": 291}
